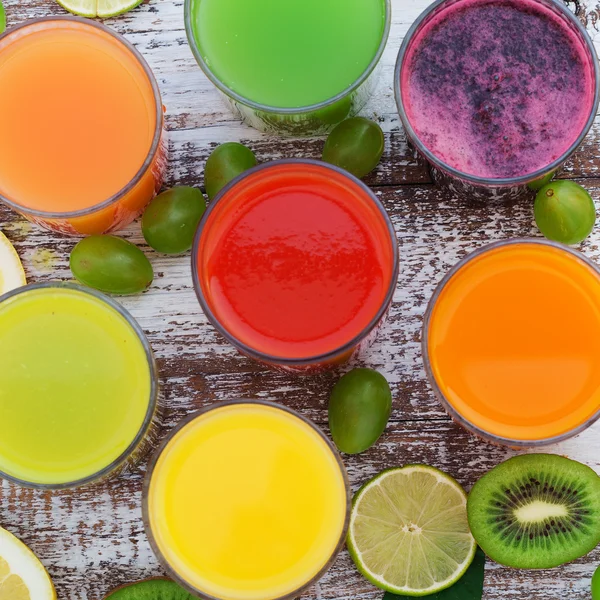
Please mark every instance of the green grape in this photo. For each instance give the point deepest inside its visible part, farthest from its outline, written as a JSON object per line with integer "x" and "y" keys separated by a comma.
{"x": 226, "y": 162}
{"x": 171, "y": 219}
{"x": 111, "y": 264}
{"x": 359, "y": 409}
{"x": 564, "y": 212}
{"x": 355, "y": 145}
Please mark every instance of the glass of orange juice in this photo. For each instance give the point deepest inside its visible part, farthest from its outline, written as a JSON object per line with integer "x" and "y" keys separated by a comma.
{"x": 83, "y": 148}
{"x": 511, "y": 342}
{"x": 246, "y": 501}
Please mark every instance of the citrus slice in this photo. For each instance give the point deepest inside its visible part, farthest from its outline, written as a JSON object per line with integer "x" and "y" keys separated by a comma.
{"x": 99, "y": 8}
{"x": 22, "y": 575}
{"x": 11, "y": 270}
{"x": 409, "y": 533}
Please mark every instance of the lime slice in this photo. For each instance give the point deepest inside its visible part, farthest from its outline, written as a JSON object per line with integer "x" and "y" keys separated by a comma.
{"x": 2, "y": 18}
{"x": 409, "y": 533}
{"x": 99, "y": 8}
{"x": 11, "y": 270}
{"x": 22, "y": 575}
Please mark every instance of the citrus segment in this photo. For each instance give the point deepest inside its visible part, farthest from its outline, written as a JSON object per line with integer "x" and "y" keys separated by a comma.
{"x": 12, "y": 274}
{"x": 99, "y": 8}
{"x": 409, "y": 532}
{"x": 22, "y": 575}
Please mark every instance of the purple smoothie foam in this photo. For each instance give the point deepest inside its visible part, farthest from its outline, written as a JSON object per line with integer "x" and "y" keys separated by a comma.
{"x": 497, "y": 88}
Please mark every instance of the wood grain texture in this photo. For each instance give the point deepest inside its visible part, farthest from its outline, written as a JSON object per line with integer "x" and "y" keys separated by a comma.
{"x": 93, "y": 540}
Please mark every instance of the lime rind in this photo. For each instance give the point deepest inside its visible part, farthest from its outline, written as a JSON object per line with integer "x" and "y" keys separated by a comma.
{"x": 396, "y": 554}
{"x": 102, "y": 9}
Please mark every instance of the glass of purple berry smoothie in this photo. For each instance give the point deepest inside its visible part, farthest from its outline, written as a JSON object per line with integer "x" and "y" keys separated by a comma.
{"x": 496, "y": 94}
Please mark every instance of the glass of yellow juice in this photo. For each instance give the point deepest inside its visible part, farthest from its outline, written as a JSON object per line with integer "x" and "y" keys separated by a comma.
{"x": 246, "y": 501}
{"x": 83, "y": 146}
{"x": 511, "y": 342}
{"x": 78, "y": 391}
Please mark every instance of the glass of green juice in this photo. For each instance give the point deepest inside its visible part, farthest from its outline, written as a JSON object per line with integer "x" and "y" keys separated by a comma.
{"x": 78, "y": 390}
{"x": 297, "y": 67}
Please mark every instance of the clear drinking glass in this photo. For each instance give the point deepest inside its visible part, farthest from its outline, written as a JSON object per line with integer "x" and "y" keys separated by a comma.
{"x": 487, "y": 188}
{"x": 150, "y": 513}
{"x": 144, "y": 439}
{"x": 317, "y": 119}
{"x": 590, "y": 268}
{"x": 127, "y": 204}
{"x": 308, "y": 364}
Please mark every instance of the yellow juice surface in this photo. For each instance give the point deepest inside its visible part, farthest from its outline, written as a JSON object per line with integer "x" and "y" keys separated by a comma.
{"x": 247, "y": 502}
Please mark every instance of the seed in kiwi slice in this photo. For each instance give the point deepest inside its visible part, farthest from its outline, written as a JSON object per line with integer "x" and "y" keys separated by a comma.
{"x": 536, "y": 511}
{"x": 150, "y": 589}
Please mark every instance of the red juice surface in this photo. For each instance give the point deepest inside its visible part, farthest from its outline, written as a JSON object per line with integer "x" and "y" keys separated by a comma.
{"x": 296, "y": 260}
{"x": 497, "y": 88}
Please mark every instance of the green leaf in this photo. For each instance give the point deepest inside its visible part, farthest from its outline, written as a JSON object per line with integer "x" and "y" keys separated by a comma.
{"x": 468, "y": 587}
{"x": 2, "y": 18}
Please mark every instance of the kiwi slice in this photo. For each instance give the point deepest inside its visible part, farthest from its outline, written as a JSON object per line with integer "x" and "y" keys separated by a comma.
{"x": 536, "y": 511}
{"x": 150, "y": 589}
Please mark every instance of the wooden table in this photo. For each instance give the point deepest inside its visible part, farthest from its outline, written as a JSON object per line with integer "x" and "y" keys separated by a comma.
{"x": 93, "y": 540}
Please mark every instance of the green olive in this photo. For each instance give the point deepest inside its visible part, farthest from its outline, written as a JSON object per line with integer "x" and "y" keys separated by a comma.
{"x": 359, "y": 409}
{"x": 111, "y": 264}
{"x": 226, "y": 162}
{"x": 564, "y": 212}
{"x": 2, "y": 18}
{"x": 355, "y": 145}
{"x": 171, "y": 219}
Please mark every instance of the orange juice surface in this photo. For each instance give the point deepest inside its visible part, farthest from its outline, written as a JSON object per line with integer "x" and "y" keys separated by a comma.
{"x": 247, "y": 502}
{"x": 514, "y": 341}
{"x": 78, "y": 116}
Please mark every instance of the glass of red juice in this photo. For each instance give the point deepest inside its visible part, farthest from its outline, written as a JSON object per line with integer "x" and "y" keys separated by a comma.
{"x": 295, "y": 263}
{"x": 496, "y": 94}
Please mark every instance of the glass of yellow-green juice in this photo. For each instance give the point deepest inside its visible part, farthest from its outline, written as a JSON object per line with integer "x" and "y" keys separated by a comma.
{"x": 78, "y": 390}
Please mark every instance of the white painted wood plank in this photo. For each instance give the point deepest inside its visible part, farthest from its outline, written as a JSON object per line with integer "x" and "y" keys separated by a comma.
{"x": 93, "y": 540}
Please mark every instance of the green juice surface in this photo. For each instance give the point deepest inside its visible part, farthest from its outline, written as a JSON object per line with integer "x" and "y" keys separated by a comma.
{"x": 288, "y": 53}
{"x": 75, "y": 385}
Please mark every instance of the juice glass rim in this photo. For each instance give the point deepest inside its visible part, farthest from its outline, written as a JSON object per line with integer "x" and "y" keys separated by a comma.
{"x": 439, "y": 394}
{"x": 287, "y": 361}
{"x": 201, "y": 413}
{"x": 152, "y": 400}
{"x": 156, "y": 138}
{"x": 275, "y": 109}
{"x": 491, "y": 181}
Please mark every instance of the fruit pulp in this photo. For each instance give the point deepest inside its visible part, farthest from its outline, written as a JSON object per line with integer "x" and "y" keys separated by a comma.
{"x": 296, "y": 260}
{"x": 497, "y": 88}
{"x": 75, "y": 385}
{"x": 82, "y": 117}
{"x": 288, "y": 54}
{"x": 514, "y": 341}
{"x": 247, "y": 502}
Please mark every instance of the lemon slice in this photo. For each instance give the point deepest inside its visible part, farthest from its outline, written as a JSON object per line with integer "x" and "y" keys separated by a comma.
{"x": 409, "y": 532}
{"x": 22, "y": 575}
{"x": 11, "y": 270}
{"x": 99, "y": 8}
